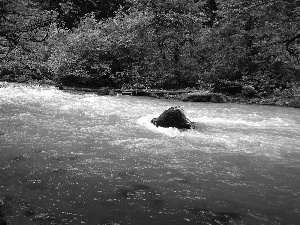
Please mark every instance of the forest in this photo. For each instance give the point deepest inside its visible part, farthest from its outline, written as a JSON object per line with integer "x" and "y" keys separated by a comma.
{"x": 237, "y": 47}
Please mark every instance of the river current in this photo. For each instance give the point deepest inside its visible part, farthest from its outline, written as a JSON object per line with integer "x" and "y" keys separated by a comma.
{"x": 74, "y": 158}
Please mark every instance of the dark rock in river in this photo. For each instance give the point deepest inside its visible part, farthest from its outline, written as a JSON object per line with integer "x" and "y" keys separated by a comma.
{"x": 173, "y": 117}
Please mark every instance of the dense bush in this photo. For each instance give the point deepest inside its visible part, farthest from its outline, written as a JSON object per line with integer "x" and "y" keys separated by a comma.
{"x": 239, "y": 47}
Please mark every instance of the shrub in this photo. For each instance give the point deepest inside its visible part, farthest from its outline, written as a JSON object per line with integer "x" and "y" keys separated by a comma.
{"x": 229, "y": 87}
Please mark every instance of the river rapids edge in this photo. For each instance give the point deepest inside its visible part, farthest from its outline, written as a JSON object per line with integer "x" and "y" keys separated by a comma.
{"x": 186, "y": 95}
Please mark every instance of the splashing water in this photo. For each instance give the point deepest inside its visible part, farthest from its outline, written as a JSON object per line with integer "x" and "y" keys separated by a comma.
{"x": 71, "y": 158}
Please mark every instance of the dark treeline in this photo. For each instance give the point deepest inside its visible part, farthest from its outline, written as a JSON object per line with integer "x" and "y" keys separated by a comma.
{"x": 242, "y": 47}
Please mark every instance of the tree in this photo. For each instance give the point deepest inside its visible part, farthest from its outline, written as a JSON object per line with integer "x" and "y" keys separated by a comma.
{"x": 21, "y": 25}
{"x": 96, "y": 50}
{"x": 24, "y": 30}
{"x": 256, "y": 43}
{"x": 169, "y": 39}
{"x": 71, "y": 12}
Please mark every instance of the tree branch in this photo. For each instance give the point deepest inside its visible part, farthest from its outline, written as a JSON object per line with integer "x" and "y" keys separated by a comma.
{"x": 6, "y": 54}
{"x": 288, "y": 42}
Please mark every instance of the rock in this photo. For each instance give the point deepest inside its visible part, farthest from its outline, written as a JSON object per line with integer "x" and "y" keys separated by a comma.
{"x": 203, "y": 97}
{"x": 196, "y": 97}
{"x": 103, "y": 91}
{"x": 218, "y": 98}
{"x": 173, "y": 117}
{"x": 112, "y": 92}
{"x": 279, "y": 102}
{"x": 294, "y": 102}
{"x": 254, "y": 101}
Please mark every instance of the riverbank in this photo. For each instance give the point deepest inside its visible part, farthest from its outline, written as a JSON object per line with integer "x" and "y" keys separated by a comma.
{"x": 186, "y": 95}
{"x": 194, "y": 95}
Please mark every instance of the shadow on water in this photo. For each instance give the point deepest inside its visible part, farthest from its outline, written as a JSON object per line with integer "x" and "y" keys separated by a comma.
{"x": 4, "y": 208}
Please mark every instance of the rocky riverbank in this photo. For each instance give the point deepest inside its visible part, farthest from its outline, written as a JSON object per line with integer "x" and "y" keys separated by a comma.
{"x": 293, "y": 101}
{"x": 196, "y": 96}
{"x": 189, "y": 95}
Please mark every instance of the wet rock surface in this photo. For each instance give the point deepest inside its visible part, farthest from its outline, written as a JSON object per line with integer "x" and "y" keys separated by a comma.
{"x": 173, "y": 117}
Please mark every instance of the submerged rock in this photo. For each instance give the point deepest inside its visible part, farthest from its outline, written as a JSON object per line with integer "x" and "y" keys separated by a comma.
{"x": 173, "y": 117}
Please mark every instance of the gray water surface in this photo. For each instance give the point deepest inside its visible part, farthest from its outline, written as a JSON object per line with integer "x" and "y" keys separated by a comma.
{"x": 70, "y": 158}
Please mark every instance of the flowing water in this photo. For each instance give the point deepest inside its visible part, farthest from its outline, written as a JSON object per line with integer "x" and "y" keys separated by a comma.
{"x": 71, "y": 158}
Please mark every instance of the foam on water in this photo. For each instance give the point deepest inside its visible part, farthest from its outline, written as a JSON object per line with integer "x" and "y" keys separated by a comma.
{"x": 263, "y": 136}
{"x": 222, "y": 128}
{"x": 64, "y": 151}
{"x": 251, "y": 122}
{"x": 145, "y": 121}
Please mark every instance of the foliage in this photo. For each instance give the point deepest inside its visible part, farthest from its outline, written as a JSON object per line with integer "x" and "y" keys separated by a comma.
{"x": 95, "y": 50}
{"x": 255, "y": 44}
{"x": 169, "y": 39}
{"x": 249, "y": 48}
{"x": 71, "y": 12}
{"x": 24, "y": 29}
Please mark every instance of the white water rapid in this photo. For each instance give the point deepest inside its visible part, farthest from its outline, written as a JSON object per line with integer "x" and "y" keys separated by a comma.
{"x": 74, "y": 158}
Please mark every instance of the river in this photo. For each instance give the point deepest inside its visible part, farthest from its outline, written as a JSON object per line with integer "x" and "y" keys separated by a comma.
{"x": 72, "y": 158}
